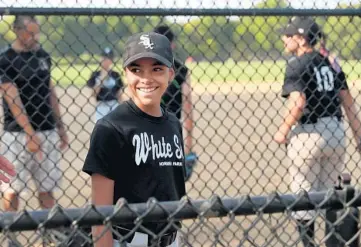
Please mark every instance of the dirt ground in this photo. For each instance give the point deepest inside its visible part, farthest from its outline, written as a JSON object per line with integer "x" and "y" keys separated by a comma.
{"x": 233, "y": 138}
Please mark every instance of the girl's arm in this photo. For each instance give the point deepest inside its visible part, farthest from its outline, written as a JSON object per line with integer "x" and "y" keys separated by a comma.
{"x": 102, "y": 195}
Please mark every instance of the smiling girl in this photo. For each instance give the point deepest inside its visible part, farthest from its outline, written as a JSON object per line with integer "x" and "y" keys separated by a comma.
{"x": 136, "y": 151}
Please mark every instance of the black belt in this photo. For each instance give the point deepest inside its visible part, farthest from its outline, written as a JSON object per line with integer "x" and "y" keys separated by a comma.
{"x": 314, "y": 120}
{"x": 163, "y": 241}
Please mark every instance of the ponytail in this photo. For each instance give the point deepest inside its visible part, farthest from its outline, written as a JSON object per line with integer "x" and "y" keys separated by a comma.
{"x": 323, "y": 50}
{"x": 326, "y": 53}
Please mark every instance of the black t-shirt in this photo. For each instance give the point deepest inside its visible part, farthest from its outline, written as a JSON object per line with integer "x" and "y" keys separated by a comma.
{"x": 143, "y": 155}
{"x": 313, "y": 75}
{"x": 172, "y": 98}
{"x": 110, "y": 87}
{"x": 30, "y": 72}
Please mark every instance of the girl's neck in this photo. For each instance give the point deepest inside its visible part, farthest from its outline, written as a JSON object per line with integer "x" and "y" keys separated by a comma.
{"x": 152, "y": 110}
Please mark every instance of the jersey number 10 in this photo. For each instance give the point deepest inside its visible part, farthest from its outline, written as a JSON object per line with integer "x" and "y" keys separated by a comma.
{"x": 325, "y": 79}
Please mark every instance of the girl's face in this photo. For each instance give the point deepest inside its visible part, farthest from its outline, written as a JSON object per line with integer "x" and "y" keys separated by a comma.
{"x": 290, "y": 43}
{"x": 293, "y": 42}
{"x": 148, "y": 80}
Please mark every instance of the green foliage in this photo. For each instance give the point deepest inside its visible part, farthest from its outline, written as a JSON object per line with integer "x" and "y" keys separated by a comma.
{"x": 205, "y": 38}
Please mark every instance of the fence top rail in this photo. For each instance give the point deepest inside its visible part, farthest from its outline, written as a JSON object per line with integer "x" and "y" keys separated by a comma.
{"x": 154, "y": 211}
{"x": 181, "y": 11}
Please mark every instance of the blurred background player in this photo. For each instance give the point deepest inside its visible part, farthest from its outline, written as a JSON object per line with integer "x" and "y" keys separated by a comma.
{"x": 106, "y": 84}
{"x": 32, "y": 121}
{"x": 315, "y": 93}
{"x": 178, "y": 100}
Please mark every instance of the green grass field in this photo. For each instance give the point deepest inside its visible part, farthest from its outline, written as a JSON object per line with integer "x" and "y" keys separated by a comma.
{"x": 204, "y": 72}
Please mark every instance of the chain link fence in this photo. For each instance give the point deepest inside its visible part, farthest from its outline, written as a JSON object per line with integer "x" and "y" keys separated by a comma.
{"x": 235, "y": 56}
{"x": 198, "y": 214}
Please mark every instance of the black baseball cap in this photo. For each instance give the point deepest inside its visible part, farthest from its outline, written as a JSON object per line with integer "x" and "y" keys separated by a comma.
{"x": 148, "y": 45}
{"x": 107, "y": 52}
{"x": 304, "y": 26}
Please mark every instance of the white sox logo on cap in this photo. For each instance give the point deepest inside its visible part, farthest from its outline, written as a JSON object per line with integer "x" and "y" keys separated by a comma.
{"x": 145, "y": 40}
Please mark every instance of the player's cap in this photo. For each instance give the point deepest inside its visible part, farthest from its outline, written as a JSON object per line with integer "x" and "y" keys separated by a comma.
{"x": 148, "y": 45}
{"x": 304, "y": 26}
{"x": 107, "y": 52}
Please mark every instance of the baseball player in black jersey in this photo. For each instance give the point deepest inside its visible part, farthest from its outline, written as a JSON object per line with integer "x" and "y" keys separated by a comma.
{"x": 136, "y": 151}
{"x": 106, "y": 84}
{"x": 178, "y": 99}
{"x": 312, "y": 126}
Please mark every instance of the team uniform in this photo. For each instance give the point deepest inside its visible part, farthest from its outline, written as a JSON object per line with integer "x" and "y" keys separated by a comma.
{"x": 30, "y": 72}
{"x": 172, "y": 98}
{"x": 107, "y": 98}
{"x": 143, "y": 155}
{"x": 317, "y": 143}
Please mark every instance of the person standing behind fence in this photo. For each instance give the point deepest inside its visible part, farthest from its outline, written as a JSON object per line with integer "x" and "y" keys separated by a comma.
{"x": 178, "y": 99}
{"x": 315, "y": 93}
{"x": 136, "y": 151}
{"x": 106, "y": 85}
{"x": 32, "y": 121}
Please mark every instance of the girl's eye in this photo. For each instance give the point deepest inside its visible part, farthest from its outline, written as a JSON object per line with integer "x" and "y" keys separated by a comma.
{"x": 158, "y": 69}
{"x": 134, "y": 70}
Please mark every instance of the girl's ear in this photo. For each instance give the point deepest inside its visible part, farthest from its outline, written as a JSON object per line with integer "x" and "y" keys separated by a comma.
{"x": 172, "y": 74}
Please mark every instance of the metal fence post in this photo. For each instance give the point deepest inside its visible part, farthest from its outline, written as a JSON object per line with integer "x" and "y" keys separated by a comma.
{"x": 344, "y": 230}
